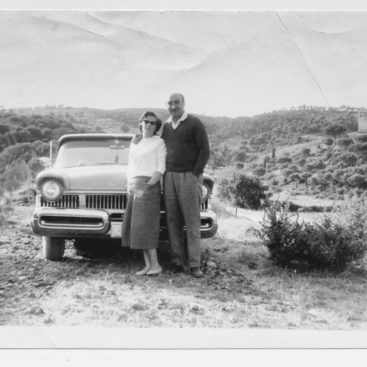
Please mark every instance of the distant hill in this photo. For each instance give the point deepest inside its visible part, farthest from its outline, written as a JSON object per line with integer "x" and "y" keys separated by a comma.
{"x": 271, "y": 145}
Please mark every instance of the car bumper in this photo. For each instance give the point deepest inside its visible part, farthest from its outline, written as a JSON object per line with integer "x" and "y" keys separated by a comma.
{"x": 74, "y": 223}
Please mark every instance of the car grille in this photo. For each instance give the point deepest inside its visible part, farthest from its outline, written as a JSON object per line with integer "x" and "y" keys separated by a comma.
{"x": 105, "y": 201}
{"x": 102, "y": 201}
{"x": 65, "y": 202}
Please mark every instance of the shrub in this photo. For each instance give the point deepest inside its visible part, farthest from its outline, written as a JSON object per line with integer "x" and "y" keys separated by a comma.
{"x": 284, "y": 160}
{"x": 4, "y": 129}
{"x": 345, "y": 142}
{"x": 301, "y": 161}
{"x": 360, "y": 148}
{"x": 259, "y": 171}
{"x": 328, "y": 176}
{"x": 304, "y": 176}
{"x": 314, "y": 165}
{"x": 338, "y": 174}
{"x": 15, "y": 175}
{"x": 345, "y": 160}
{"x": 294, "y": 177}
{"x": 35, "y": 165}
{"x": 335, "y": 130}
{"x": 362, "y": 138}
{"x": 288, "y": 172}
{"x": 329, "y": 141}
{"x": 240, "y": 156}
{"x": 242, "y": 190}
{"x": 328, "y": 245}
{"x": 328, "y": 155}
{"x": 313, "y": 181}
{"x": 357, "y": 180}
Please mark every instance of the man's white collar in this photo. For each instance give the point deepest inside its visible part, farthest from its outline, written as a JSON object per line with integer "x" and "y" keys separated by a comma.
{"x": 182, "y": 118}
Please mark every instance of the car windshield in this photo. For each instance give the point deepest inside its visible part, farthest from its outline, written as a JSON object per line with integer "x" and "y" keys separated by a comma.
{"x": 93, "y": 153}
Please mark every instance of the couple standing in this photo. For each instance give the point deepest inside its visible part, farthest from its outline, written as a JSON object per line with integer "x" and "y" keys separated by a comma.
{"x": 179, "y": 155}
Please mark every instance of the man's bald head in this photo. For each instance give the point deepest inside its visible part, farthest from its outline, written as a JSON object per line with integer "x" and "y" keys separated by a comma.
{"x": 176, "y": 105}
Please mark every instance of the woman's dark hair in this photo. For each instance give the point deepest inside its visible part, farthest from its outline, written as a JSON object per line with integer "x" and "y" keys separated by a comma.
{"x": 152, "y": 114}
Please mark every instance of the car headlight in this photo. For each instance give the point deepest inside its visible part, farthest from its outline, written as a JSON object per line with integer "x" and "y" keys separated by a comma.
{"x": 51, "y": 190}
{"x": 204, "y": 193}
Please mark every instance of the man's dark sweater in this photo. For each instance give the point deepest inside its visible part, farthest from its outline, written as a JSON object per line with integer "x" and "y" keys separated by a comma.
{"x": 187, "y": 146}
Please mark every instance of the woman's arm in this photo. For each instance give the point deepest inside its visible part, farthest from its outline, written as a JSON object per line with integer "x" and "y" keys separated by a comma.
{"x": 161, "y": 153}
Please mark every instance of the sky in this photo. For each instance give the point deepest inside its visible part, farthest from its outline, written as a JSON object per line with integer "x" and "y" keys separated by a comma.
{"x": 231, "y": 63}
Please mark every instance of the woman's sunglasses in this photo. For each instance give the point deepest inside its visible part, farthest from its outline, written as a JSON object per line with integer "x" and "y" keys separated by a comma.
{"x": 146, "y": 122}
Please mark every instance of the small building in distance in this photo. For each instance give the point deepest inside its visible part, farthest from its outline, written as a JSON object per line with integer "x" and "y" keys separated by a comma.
{"x": 362, "y": 120}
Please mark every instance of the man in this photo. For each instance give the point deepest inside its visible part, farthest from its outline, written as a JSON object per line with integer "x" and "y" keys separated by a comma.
{"x": 187, "y": 154}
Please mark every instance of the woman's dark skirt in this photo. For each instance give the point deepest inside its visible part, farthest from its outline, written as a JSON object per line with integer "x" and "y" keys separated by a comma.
{"x": 140, "y": 227}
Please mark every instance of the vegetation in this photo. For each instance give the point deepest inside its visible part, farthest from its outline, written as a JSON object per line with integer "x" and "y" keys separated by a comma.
{"x": 242, "y": 190}
{"x": 331, "y": 244}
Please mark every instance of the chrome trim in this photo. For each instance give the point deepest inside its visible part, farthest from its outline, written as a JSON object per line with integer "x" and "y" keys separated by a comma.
{"x": 106, "y": 201}
{"x": 43, "y": 227}
{"x": 66, "y": 201}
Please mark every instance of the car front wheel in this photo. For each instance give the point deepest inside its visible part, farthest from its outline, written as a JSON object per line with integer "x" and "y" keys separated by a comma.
{"x": 53, "y": 248}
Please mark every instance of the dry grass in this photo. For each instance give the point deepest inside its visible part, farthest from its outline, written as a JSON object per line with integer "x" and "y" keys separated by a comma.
{"x": 299, "y": 300}
{"x": 241, "y": 287}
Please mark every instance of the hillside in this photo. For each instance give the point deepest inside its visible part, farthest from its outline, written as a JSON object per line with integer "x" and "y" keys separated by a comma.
{"x": 305, "y": 147}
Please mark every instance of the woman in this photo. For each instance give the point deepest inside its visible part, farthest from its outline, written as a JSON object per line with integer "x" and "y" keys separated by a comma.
{"x": 147, "y": 164}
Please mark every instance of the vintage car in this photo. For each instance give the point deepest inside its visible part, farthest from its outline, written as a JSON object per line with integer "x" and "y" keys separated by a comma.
{"x": 83, "y": 195}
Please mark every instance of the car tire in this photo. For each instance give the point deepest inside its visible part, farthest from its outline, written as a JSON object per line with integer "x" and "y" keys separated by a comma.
{"x": 53, "y": 248}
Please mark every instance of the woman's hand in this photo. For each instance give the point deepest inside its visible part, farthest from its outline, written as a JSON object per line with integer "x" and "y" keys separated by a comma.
{"x": 155, "y": 178}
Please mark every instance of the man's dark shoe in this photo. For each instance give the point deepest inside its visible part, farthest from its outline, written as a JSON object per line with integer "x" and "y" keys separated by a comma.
{"x": 175, "y": 269}
{"x": 196, "y": 272}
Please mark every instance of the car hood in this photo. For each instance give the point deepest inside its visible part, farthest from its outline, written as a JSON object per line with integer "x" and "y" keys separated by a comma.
{"x": 91, "y": 178}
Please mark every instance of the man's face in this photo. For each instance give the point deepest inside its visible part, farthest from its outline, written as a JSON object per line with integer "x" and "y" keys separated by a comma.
{"x": 176, "y": 106}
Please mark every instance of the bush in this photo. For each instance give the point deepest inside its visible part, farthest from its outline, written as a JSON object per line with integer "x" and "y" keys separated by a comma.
{"x": 357, "y": 180}
{"x": 328, "y": 155}
{"x": 314, "y": 165}
{"x": 294, "y": 177}
{"x": 259, "y": 171}
{"x": 35, "y": 165}
{"x": 242, "y": 190}
{"x": 15, "y": 175}
{"x": 345, "y": 142}
{"x": 329, "y": 141}
{"x": 328, "y": 245}
{"x": 335, "y": 130}
{"x": 360, "y": 148}
{"x": 362, "y": 138}
{"x": 345, "y": 160}
{"x": 304, "y": 176}
{"x": 284, "y": 160}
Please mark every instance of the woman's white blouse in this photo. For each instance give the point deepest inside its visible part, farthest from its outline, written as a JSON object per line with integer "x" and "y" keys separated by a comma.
{"x": 147, "y": 157}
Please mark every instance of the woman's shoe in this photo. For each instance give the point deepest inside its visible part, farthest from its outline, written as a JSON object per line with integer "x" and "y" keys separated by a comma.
{"x": 142, "y": 272}
{"x": 155, "y": 271}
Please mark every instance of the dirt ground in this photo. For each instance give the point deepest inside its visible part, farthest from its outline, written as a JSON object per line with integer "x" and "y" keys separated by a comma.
{"x": 240, "y": 289}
